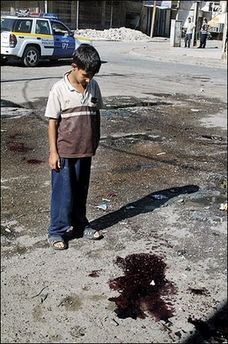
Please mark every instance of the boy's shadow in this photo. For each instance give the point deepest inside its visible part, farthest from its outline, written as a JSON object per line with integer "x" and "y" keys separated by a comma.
{"x": 144, "y": 205}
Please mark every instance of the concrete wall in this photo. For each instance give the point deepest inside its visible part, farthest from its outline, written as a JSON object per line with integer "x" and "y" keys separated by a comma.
{"x": 98, "y": 14}
{"x": 186, "y": 9}
{"x": 95, "y": 14}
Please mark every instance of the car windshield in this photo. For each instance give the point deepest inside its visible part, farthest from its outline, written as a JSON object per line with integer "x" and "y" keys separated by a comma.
{"x": 7, "y": 24}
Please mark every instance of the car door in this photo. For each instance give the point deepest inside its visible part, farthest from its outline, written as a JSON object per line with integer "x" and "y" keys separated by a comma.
{"x": 22, "y": 30}
{"x": 64, "y": 41}
{"x": 44, "y": 37}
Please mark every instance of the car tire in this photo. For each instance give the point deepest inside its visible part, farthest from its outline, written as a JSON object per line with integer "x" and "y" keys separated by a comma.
{"x": 3, "y": 61}
{"x": 31, "y": 56}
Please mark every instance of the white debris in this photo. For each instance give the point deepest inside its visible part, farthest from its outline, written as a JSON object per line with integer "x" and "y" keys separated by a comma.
{"x": 117, "y": 34}
{"x": 152, "y": 282}
{"x": 9, "y": 223}
{"x": 223, "y": 206}
{"x": 7, "y": 230}
{"x": 159, "y": 197}
{"x": 130, "y": 207}
{"x": 13, "y": 113}
{"x": 103, "y": 205}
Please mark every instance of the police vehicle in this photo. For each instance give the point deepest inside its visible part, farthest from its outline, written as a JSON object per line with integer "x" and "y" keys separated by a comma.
{"x": 32, "y": 37}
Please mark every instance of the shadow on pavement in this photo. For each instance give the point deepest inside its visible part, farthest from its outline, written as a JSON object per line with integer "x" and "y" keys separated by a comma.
{"x": 214, "y": 330}
{"x": 144, "y": 205}
{"x": 43, "y": 63}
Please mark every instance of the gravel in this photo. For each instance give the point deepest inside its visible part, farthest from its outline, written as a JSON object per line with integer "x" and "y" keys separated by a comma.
{"x": 118, "y": 34}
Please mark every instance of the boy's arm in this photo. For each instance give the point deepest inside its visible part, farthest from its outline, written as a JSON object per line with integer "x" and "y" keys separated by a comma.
{"x": 53, "y": 161}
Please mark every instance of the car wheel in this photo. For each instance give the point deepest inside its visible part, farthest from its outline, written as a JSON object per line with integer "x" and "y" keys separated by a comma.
{"x": 31, "y": 57}
{"x": 3, "y": 60}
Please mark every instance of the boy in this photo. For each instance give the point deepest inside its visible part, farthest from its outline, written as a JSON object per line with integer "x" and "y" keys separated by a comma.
{"x": 73, "y": 134}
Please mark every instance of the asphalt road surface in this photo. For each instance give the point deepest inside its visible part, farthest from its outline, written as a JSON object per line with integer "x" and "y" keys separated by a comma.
{"x": 158, "y": 185}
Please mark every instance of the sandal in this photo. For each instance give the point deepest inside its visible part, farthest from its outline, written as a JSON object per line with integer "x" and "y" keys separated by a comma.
{"x": 57, "y": 242}
{"x": 70, "y": 234}
{"x": 91, "y": 234}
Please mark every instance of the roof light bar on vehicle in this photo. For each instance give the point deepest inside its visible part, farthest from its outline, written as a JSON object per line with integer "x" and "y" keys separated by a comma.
{"x": 27, "y": 13}
{"x": 49, "y": 15}
{"x": 22, "y": 13}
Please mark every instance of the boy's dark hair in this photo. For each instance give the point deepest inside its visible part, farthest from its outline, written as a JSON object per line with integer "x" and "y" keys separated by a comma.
{"x": 87, "y": 58}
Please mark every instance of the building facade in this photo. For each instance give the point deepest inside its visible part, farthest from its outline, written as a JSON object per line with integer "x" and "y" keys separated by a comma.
{"x": 135, "y": 14}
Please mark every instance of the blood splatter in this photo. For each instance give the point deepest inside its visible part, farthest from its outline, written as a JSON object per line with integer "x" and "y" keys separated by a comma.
{"x": 143, "y": 289}
{"x": 35, "y": 161}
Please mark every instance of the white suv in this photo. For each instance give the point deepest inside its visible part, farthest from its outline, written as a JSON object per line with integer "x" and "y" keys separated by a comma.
{"x": 34, "y": 37}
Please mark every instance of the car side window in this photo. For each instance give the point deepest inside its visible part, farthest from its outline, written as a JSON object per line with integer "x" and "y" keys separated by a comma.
{"x": 7, "y": 24}
{"x": 59, "y": 29}
{"x": 42, "y": 27}
{"x": 23, "y": 25}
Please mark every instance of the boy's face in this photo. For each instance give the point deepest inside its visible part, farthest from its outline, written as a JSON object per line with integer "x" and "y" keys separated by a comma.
{"x": 81, "y": 76}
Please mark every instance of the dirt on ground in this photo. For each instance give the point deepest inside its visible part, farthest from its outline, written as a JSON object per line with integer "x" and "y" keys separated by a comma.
{"x": 158, "y": 184}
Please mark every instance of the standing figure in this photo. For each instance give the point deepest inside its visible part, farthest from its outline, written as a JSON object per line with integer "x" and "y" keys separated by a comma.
{"x": 189, "y": 27}
{"x": 203, "y": 33}
{"x": 73, "y": 111}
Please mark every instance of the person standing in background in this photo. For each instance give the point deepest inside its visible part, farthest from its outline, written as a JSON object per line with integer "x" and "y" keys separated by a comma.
{"x": 203, "y": 33}
{"x": 189, "y": 27}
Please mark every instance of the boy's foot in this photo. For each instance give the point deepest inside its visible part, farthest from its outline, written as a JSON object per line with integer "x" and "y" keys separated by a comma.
{"x": 57, "y": 242}
{"x": 70, "y": 234}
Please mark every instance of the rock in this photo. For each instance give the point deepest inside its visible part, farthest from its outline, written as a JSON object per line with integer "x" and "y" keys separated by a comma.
{"x": 117, "y": 34}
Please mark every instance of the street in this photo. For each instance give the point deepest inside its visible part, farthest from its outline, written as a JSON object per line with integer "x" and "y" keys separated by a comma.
{"x": 135, "y": 75}
{"x": 158, "y": 181}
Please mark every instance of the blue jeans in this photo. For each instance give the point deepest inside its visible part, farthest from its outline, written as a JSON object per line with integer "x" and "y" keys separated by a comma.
{"x": 203, "y": 39}
{"x": 69, "y": 194}
{"x": 187, "y": 40}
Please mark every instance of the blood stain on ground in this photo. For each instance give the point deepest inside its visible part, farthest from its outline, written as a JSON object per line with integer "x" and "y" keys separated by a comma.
{"x": 95, "y": 273}
{"x": 18, "y": 147}
{"x": 144, "y": 289}
{"x": 35, "y": 161}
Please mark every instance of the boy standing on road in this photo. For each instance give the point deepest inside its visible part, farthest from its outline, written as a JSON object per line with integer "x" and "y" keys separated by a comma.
{"x": 73, "y": 110}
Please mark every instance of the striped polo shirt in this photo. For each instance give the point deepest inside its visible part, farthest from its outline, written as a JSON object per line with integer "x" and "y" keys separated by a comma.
{"x": 78, "y": 116}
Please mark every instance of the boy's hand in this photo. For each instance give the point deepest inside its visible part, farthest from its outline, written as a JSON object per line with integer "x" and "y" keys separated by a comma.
{"x": 54, "y": 161}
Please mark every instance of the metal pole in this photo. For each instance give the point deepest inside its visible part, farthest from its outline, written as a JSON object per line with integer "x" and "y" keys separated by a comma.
{"x": 195, "y": 20}
{"x": 111, "y": 15}
{"x": 153, "y": 19}
{"x": 103, "y": 6}
{"x": 77, "y": 14}
{"x": 224, "y": 39}
{"x": 45, "y": 6}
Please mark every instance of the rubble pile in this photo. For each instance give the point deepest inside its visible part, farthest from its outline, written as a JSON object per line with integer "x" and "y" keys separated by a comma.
{"x": 118, "y": 34}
